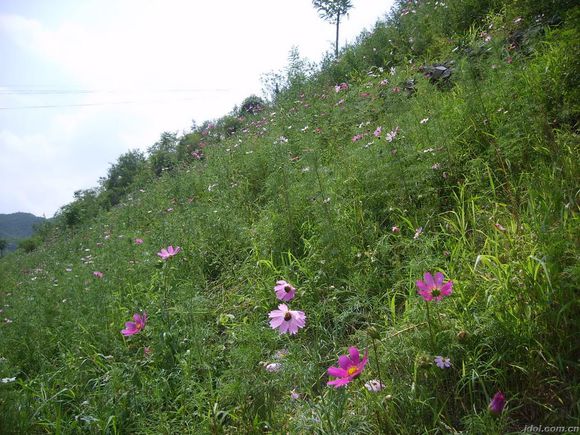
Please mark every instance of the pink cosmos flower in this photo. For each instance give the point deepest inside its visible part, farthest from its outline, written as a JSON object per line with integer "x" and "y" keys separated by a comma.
{"x": 98, "y": 274}
{"x": 132, "y": 328}
{"x": 357, "y": 137}
{"x": 349, "y": 367}
{"x": 342, "y": 87}
{"x": 497, "y": 403}
{"x": 284, "y": 291}
{"x": 434, "y": 288}
{"x": 286, "y": 320}
{"x": 395, "y": 229}
{"x": 378, "y": 131}
{"x": 138, "y": 241}
{"x": 169, "y": 252}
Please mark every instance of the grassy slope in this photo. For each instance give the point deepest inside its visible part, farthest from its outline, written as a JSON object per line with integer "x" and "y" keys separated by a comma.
{"x": 293, "y": 197}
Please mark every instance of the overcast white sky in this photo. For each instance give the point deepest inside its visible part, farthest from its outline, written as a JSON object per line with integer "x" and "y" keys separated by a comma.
{"x": 144, "y": 66}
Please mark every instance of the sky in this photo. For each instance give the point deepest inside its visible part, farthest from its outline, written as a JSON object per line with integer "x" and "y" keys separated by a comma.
{"x": 84, "y": 81}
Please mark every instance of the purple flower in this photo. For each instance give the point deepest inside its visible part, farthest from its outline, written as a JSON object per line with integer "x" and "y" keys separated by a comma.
{"x": 442, "y": 363}
{"x": 284, "y": 291}
{"x": 138, "y": 241}
{"x": 169, "y": 252}
{"x": 132, "y": 328}
{"x": 391, "y": 135}
{"x": 434, "y": 288}
{"x": 374, "y": 385}
{"x": 349, "y": 367}
{"x": 286, "y": 320}
{"x": 497, "y": 403}
{"x": 378, "y": 131}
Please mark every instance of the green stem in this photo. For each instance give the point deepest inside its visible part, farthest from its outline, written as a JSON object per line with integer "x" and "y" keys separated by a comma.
{"x": 433, "y": 348}
{"x": 378, "y": 364}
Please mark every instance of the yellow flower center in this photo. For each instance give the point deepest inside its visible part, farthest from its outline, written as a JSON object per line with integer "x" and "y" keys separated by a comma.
{"x": 352, "y": 370}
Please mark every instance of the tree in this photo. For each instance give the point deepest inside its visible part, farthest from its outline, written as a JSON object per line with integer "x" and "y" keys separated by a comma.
{"x": 3, "y": 245}
{"x": 331, "y": 11}
{"x": 122, "y": 174}
{"x": 163, "y": 154}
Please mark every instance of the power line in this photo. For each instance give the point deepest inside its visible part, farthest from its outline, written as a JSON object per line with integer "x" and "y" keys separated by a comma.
{"x": 52, "y": 106}
{"x": 52, "y": 91}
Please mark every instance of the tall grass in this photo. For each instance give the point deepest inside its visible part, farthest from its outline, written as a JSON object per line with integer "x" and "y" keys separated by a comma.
{"x": 479, "y": 183}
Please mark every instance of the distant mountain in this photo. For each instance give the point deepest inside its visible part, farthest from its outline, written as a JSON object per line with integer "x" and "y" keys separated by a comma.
{"x": 17, "y": 226}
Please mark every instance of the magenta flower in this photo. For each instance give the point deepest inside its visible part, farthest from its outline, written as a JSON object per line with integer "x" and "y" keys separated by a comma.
{"x": 138, "y": 241}
{"x": 284, "y": 291}
{"x": 98, "y": 274}
{"x": 286, "y": 320}
{"x": 169, "y": 252}
{"x": 349, "y": 367}
{"x": 497, "y": 403}
{"x": 132, "y": 328}
{"x": 434, "y": 288}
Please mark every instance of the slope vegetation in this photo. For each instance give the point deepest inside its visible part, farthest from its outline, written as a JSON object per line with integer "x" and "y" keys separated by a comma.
{"x": 445, "y": 141}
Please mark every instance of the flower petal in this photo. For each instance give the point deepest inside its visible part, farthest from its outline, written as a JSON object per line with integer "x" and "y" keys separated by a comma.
{"x": 337, "y": 372}
{"x": 344, "y": 362}
{"x": 422, "y": 286}
{"x": 447, "y": 288}
{"x": 428, "y": 278}
{"x": 339, "y": 382}
{"x": 354, "y": 354}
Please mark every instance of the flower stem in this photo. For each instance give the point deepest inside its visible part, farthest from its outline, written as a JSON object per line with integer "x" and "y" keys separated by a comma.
{"x": 378, "y": 364}
{"x": 433, "y": 348}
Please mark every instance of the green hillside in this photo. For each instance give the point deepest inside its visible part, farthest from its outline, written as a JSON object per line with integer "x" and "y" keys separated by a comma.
{"x": 443, "y": 144}
{"x": 17, "y": 226}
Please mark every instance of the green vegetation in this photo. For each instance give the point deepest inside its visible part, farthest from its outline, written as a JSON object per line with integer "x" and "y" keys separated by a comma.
{"x": 15, "y": 227}
{"x": 445, "y": 141}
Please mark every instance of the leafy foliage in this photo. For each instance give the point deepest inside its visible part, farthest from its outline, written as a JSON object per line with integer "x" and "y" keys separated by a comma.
{"x": 358, "y": 178}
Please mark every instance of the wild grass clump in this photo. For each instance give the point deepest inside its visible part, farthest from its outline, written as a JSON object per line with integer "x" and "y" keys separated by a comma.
{"x": 390, "y": 246}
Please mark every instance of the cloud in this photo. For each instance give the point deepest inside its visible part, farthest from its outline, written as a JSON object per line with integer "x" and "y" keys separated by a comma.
{"x": 149, "y": 66}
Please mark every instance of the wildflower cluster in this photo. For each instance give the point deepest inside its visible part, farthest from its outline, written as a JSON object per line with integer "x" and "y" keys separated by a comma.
{"x": 284, "y": 319}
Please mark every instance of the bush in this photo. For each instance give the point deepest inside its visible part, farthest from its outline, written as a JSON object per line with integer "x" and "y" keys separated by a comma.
{"x": 29, "y": 245}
